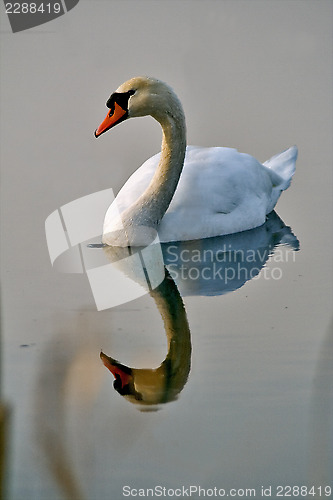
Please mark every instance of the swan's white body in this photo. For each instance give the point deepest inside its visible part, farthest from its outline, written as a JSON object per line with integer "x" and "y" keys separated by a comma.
{"x": 194, "y": 192}
{"x": 220, "y": 191}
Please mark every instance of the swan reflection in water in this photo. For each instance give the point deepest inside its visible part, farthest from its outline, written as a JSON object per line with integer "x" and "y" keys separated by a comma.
{"x": 148, "y": 387}
{"x": 211, "y": 266}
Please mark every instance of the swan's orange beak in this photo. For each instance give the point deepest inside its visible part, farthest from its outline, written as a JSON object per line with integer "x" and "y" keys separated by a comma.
{"x": 112, "y": 118}
{"x": 116, "y": 369}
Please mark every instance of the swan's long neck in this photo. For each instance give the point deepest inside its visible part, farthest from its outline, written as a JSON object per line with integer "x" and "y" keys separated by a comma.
{"x": 150, "y": 207}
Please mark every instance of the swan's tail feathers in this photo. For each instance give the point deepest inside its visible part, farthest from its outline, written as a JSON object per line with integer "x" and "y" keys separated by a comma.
{"x": 284, "y": 164}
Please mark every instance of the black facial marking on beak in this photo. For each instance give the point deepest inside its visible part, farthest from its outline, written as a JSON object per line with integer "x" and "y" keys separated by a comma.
{"x": 118, "y": 105}
{"x": 121, "y": 98}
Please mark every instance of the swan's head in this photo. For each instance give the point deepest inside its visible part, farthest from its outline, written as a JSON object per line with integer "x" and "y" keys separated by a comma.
{"x": 141, "y": 96}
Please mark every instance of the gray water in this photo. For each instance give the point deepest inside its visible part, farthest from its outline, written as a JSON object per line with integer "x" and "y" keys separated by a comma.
{"x": 254, "y": 408}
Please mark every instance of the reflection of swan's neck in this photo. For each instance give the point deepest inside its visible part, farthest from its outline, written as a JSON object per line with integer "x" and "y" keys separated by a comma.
{"x": 171, "y": 308}
{"x": 147, "y": 386}
{"x": 150, "y": 207}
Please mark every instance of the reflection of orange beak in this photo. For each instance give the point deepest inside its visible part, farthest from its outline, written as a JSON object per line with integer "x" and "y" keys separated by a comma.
{"x": 119, "y": 114}
{"x": 116, "y": 369}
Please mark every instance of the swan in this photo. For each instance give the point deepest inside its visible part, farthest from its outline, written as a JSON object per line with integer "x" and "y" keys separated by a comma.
{"x": 187, "y": 192}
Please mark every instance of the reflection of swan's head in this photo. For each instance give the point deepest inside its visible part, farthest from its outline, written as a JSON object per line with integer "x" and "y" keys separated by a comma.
{"x": 141, "y": 96}
{"x": 124, "y": 379}
{"x": 146, "y": 387}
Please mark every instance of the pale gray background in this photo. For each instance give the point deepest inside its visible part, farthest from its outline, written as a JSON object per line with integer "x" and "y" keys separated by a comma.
{"x": 255, "y": 75}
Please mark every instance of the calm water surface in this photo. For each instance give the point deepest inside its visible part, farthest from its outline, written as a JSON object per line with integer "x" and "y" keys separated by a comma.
{"x": 242, "y": 398}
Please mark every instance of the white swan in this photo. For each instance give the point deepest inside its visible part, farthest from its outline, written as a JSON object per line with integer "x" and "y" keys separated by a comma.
{"x": 220, "y": 191}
